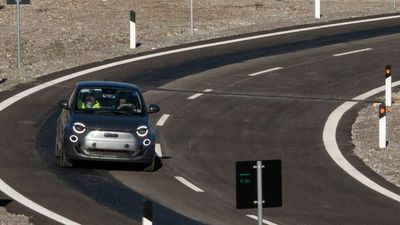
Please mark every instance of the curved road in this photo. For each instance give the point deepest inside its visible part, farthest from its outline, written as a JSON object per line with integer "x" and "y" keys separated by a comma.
{"x": 272, "y": 114}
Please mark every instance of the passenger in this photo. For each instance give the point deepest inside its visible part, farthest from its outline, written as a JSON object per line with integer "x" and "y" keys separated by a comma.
{"x": 89, "y": 102}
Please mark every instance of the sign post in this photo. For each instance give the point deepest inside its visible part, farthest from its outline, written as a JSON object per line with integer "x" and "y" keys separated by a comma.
{"x": 258, "y": 185}
{"x": 18, "y": 3}
{"x": 260, "y": 200}
{"x": 191, "y": 17}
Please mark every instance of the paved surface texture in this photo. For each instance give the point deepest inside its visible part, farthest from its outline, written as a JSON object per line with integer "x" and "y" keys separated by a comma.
{"x": 275, "y": 115}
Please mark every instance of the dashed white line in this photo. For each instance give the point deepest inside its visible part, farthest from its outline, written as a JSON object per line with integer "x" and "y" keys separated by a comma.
{"x": 162, "y": 120}
{"x": 352, "y": 52}
{"x": 195, "y": 96}
{"x": 264, "y": 221}
{"x": 188, "y": 184}
{"x": 199, "y": 94}
{"x": 158, "y": 150}
{"x": 265, "y": 71}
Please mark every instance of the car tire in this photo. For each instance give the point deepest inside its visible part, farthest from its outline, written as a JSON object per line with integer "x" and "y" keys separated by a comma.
{"x": 57, "y": 151}
{"x": 64, "y": 161}
{"x": 151, "y": 167}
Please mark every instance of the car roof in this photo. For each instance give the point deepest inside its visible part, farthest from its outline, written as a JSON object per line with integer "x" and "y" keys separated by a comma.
{"x": 106, "y": 84}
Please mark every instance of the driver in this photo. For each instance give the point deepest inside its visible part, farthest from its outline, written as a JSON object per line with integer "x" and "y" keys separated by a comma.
{"x": 123, "y": 104}
{"x": 89, "y": 102}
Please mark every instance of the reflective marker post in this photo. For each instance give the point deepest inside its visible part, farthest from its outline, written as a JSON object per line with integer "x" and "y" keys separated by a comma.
{"x": 388, "y": 85}
{"x": 132, "y": 29}
{"x": 382, "y": 126}
{"x": 317, "y": 9}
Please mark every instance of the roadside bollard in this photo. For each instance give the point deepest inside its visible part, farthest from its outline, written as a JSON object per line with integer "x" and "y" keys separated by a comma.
{"x": 132, "y": 28}
{"x": 388, "y": 85}
{"x": 317, "y": 9}
{"x": 147, "y": 213}
{"x": 382, "y": 126}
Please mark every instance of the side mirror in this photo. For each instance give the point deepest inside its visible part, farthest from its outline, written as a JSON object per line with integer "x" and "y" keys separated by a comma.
{"x": 63, "y": 104}
{"x": 153, "y": 108}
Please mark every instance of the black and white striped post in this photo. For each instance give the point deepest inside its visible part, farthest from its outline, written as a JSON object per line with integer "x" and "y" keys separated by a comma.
{"x": 382, "y": 126}
{"x": 388, "y": 85}
{"x": 147, "y": 213}
{"x": 132, "y": 27}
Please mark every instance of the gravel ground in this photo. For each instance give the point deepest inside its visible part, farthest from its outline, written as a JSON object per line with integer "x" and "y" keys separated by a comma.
{"x": 57, "y": 35}
{"x": 365, "y": 131}
{"x": 11, "y": 219}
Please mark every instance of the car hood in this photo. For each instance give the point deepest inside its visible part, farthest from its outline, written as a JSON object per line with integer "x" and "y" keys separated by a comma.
{"x": 109, "y": 122}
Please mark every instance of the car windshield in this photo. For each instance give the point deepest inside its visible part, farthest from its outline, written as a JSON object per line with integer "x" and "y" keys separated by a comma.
{"x": 108, "y": 101}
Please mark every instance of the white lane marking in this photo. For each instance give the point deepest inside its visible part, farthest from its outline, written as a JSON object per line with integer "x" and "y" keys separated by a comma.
{"x": 6, "y": 103}
{"x": 190, "y": 185}
{"x": 145, "y": 221}
{"x": 264, "y": 220}
{"x": 199, "y": 94}
{"x": 352, "y": 52}
{"x": 195, "y": 96}
{"x": 6, "y": 189}
{"x": 158, "y": 150}
{"x": 331, "y": 146}
{"x": 162, "y": 120}
{"x": 265, "y": 71}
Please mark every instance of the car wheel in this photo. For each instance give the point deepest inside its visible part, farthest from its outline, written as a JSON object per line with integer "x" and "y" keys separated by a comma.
{"x": 151, "y": 167}
{"x": 64, "y": 161}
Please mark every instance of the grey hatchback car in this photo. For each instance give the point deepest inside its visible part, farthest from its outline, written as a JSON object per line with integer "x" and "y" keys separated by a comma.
{"x": 105, "y": 121}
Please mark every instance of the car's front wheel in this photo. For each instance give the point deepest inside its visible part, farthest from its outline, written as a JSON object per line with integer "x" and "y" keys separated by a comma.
{"x": 57, "y": 150}
{"x": 64, "y": 161}
{"x": 151, "y": 167}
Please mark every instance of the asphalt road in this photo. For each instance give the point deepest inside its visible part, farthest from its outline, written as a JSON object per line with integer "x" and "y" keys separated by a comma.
{"x": 273, "y": 115}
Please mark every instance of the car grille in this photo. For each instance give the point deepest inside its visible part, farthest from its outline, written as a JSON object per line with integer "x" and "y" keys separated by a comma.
{"x": 111, "y": 153}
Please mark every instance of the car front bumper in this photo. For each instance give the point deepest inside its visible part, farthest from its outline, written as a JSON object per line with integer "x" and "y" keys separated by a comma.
{"x": 94, "y": 146}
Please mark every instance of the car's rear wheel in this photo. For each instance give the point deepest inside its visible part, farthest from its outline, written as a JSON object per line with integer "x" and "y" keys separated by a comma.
{"x": 64, "y": 161}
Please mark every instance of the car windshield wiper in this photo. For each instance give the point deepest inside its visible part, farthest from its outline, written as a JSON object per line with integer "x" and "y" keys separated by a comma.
{"x": 113, "y": 112}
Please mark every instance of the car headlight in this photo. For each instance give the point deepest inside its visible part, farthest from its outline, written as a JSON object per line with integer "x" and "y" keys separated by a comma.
{"x": 142, "y": 131}
{"x": 79, "y": 128}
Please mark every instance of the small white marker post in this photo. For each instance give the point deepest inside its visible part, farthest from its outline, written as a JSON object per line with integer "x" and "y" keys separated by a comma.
{"x": 382, "y": 126}
{"x": 388, "y": 85}
{"x": 147, "y": 213}
{"x": 317, "y": 9}
{"x": 132, "y": 27}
